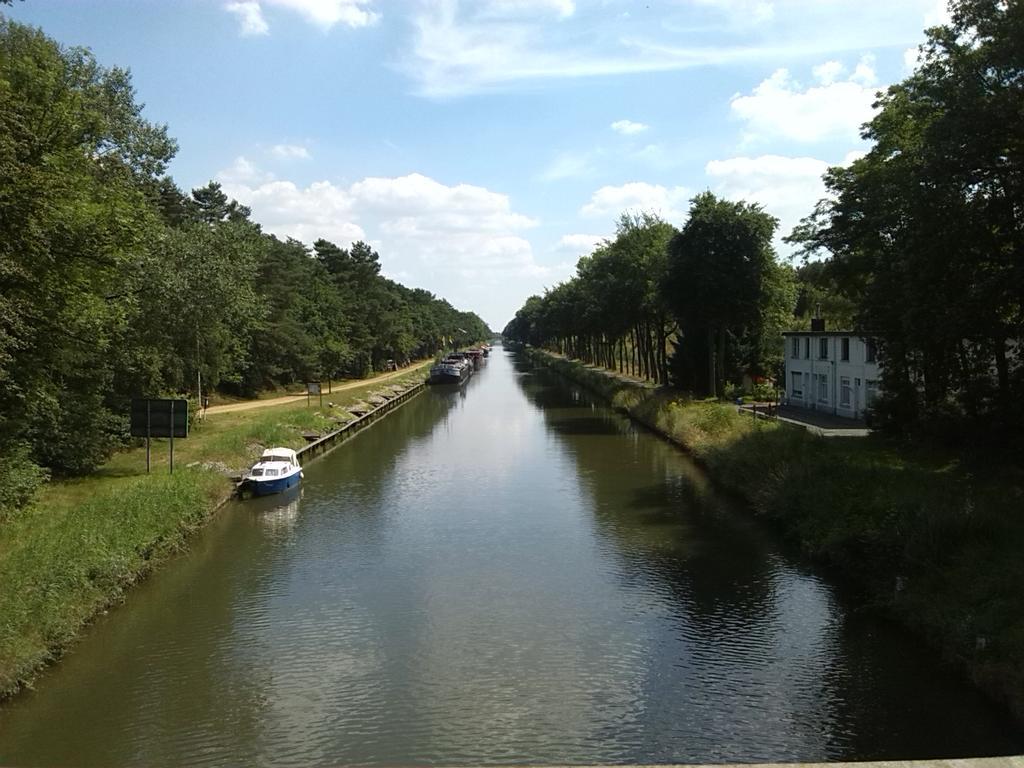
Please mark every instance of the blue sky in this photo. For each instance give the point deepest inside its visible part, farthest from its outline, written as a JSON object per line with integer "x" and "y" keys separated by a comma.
{"x": 482, "y": 147}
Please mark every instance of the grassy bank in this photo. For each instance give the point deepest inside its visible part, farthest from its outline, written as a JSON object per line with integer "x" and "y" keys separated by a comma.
{"x": 82, "y": 543}
{"x": 925, "y": 535}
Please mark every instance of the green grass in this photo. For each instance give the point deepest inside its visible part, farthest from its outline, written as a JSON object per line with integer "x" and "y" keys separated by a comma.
{"x": 928, "y": 536}
{"x": 235, "y": 439}
{"x": 60, "y": 564}
{"x": 83, "y": 542}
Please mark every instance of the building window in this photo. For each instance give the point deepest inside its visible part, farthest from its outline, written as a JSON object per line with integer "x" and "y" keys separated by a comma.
{"x": 823, "y": 348}
{"x": 822, "y": 387}
{"x": 807, "y": 348}
{"x": 795, "y": 347}
{"x": 844, "y": 391}
{"x": 844, "y": 354}
{"x": 796, "y": 388}
{"x": 870, "y": 353}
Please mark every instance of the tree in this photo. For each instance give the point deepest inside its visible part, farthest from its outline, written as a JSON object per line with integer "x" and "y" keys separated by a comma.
{"x": 176, "y": 208}
{"x": 612, "y": 312}
{"x": 114, "y": 283}
{"x": 819, "y": 295}
{"x": 212, "y": 205}
{"x": 722, "y": 283}
{"x": 642, "y": 240}
{"x": 925, "y": 232}
{"x": 76, "y": 158}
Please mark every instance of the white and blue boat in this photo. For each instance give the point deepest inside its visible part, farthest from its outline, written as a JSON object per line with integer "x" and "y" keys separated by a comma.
{"x": 277, "y": 470}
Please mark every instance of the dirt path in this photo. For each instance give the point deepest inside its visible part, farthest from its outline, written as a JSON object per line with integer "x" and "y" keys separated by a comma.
{"x": 215, "y": 409}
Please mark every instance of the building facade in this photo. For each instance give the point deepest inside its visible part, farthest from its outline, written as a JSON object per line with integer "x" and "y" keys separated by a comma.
{"x": 835, "y": 372}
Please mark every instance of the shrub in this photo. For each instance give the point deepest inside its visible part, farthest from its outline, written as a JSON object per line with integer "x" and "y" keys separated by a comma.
{"x": 19, "y": 479}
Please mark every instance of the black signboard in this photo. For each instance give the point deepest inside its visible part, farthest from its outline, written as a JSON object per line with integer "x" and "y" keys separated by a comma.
{"x": 159, "y": 418}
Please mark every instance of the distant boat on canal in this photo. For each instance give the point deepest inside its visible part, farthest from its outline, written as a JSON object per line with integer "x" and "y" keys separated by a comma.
{"x": 277, "y": 470}
{"x": 456, "y": 368}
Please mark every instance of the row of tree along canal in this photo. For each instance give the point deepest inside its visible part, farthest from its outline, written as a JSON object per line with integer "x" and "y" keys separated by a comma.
{"x": 918, "y": 244}
{"x": 115, "y": 283}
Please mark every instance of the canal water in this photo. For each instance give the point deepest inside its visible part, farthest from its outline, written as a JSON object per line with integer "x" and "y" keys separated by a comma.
{"x": 507, "y": 573}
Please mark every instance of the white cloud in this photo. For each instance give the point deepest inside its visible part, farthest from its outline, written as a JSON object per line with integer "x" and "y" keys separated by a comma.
{"x": 416, "y": 203}
{"x": 787, "y": 187}
{"x": 864, "y": 72}
{"x": 287, "y": 210}
{"x": 853, "y": 156}
{"x": 461, "y": 241}
{"x": 461, "y": 48}
{"x": 250, "y": 17}
{"x": 327, "y": 13}
{"x": 638, "y": 197}
{"x": 780, "y": 107}
{"x": 506, "y": 8}
{"x": 628, "y": 127}
{"x": 663, "y": 157}
{"x": 828, "y": 72}
{"x": 457, "y": 52}
{"x": 567, "y": 165}
{"x": 322, "y": 13}
{"x": 243, "y": 172}
{"x": 290, "y": 151}
{"x": 911, "y": 58}
{"x": 655, "y": 154}
{"x": 938, "y": 14}
{"x": 579, "y": 244}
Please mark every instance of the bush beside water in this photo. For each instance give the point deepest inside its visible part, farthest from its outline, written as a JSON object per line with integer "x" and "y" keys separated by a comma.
{"x": 20, "y": 478}
{"x": 933, "y": 542}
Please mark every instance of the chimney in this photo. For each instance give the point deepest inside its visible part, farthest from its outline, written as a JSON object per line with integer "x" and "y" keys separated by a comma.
{"x": 817, "y": 325}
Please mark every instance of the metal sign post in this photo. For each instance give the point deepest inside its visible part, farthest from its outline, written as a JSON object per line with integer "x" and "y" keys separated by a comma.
{"x": 314, "y": 388}
{"x": 152, "y": 417}
{"x": 172, "y": 437}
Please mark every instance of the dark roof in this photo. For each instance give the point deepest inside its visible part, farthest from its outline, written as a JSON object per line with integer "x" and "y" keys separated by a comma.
{"x": 826, "y": 333}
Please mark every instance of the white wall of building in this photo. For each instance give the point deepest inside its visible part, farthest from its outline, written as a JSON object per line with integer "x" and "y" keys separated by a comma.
{"x": 833, "y": 372}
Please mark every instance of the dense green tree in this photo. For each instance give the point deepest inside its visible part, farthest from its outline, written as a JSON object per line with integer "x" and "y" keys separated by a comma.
{"x": 925, "y": 232}
{"x": 641, "y": 242}
{"x": 75, "y": 156}
{"x": 723, "y": 283}
{"x": 114, "y": 283}
{"x": 201, "y": 305}
{"x": 176, "y": 208}
{"x": 523, "y": 328}
{"x": 819, "y": 295}
{"x": 212, "y": 205}
{"x": 612, "y": 312}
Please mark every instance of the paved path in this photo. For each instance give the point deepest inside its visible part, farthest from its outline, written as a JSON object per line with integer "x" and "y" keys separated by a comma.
{"x": 816, "y": 422}
{"x": 823, "y": 423}
{"x": 213, "y": 410}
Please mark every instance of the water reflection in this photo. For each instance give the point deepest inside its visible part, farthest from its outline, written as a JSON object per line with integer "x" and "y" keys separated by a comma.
{"x": 762, "y": 653}
{"x": 284, "y": 510}
{"x": 505, "y": 572}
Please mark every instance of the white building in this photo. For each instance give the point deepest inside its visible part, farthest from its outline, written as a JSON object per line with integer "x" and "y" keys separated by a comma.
{"x": 835, "y": 372}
